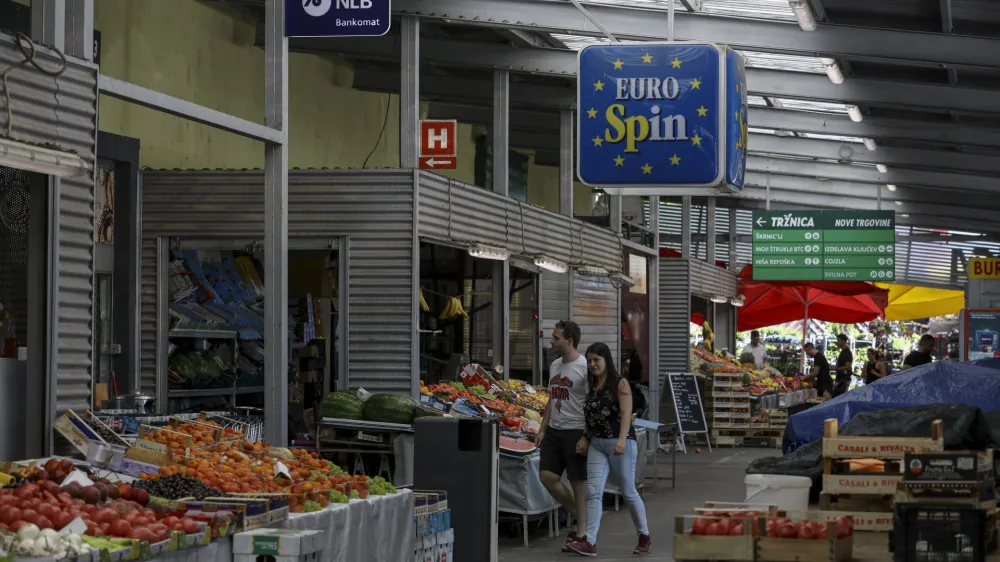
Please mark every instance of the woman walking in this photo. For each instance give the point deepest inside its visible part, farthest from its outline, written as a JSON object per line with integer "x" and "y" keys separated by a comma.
{"x": 609, "y": 443}
{"x": 875, "y": 367}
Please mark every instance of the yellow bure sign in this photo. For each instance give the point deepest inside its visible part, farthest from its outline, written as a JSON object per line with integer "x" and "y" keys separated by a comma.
{"x": 984, "y": 268}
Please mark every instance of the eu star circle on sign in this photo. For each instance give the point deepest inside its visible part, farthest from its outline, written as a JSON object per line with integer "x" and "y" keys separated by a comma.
{"x": 317, "y": 8}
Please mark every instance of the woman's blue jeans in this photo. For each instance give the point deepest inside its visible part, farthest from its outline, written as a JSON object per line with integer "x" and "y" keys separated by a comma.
{"x": 601, "y": 459}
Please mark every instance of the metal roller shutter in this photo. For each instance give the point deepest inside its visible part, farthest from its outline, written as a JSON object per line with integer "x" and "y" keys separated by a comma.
{"x": 674, "y": 316}
{"x": 595, "y": 310}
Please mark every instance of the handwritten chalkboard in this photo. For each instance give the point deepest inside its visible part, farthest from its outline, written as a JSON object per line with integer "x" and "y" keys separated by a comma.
{"x": 687, "y": 402}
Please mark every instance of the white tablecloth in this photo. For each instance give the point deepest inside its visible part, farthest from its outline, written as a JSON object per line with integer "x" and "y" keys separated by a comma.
{"x": 219, "y": 550}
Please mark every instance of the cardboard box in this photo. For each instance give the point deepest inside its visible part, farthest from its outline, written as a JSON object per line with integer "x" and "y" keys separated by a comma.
{"x": 953, "y": 467}
{"x": 278, "y": 542}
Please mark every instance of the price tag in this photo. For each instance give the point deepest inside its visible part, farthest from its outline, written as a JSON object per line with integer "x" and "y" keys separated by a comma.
{"x": 75, "y": 526}
{"x": 79, "y": 478}
{"x": 281, "y": 470}
{"x": 529, "y": 388}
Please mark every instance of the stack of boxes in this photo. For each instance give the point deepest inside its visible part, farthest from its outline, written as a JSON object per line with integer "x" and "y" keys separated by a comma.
{"x": 729, "y": 411}
{"x": 434, "y": 537}
{"x": 280, "y": 545}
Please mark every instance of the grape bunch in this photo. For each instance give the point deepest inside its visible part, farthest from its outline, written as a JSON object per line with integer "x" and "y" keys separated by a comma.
{"x": 177, "y": 486}
{"x": 380, "y": 487}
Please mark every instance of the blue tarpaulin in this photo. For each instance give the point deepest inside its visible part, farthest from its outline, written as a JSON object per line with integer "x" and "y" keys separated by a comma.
{"x": 944, "y": 382}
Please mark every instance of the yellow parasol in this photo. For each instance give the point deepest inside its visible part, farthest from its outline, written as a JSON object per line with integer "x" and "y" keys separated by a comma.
{"x": 910, "y": 303}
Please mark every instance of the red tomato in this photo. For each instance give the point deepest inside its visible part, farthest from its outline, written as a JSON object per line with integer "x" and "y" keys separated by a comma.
{"x": 130, "y": 516}
{"x": 724, "y": 526}
{"x": 712, "y": 530}
{"x": 190, "y": 527}
{"x": 94, "y": 531}
{"x": 736, "y": 530}
{"x": 787, "y": 531}
{"x": 62, "y": 519}
{"x": 771, "y": 528}
{"x": 17, "y": 525}
{"x": 105, "y": 515}
{"x": 699, "y": 526}
{"x": 105, "y": 528}
{"x": 845, "y": 527}
{"x": 44, "y": 522}
{"x": 30, "y": 515}
{"x": 47, "y": 510}
{"x": 9, "y": 514}
{"x": 170, "y": 521}
{"x": 806, "y": 530}
{"x": 120, "y": 528}
{"x": 64, "y": 498}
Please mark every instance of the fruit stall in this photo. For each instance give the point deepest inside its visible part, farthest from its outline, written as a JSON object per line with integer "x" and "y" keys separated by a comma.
{"x": 743, "y": 402}
{"x": 191, "y": 484}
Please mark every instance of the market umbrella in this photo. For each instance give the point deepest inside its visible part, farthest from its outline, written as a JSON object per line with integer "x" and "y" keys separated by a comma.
{"x": 910, "y": 303}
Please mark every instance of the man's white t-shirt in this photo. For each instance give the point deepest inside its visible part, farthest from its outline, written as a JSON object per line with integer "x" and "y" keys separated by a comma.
{"x": 567, "y": 393}
{"x": 759, "y": 354}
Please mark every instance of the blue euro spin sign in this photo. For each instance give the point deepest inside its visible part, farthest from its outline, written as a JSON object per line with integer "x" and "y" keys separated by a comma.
{"x": 666, "y": 114}
{"x": 337, "y": 18}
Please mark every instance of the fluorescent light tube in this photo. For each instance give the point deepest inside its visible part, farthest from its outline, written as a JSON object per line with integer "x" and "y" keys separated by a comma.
{"x": 870, "y": 144}
{"x": 898, "y": 202}
{"x": 486, "y": 252}
{"x": 834, "y": 73}
{"x": 737, "y": 302}
{"x": 719, "y": 300}
{"x": 549, "y": 264}
{"x": 622, "y": 279}
{"x": 591, "y": 271}
{"x": 30, "y": 158}
{"x": 890, "y": 187}
{"x": 905, "y": 216}
{"x": 803, "y": 15}
{"x": 882, "y": 168}
{"x": 854, "y": 113}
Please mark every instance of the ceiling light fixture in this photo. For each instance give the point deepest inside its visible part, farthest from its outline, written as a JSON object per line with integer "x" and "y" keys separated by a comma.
{"x": 833, "y": 72}
{"x": 622, "y": 280}
{"x": 550, "y": 264}
{"x": 30, "y": 158}
{"x": 737, "y": 301}
{"x": 870, "y": 144}
{"x": 882, "y": 168}
{"x": 803, "y": 15}
{"x": 719, "y": 300}
{"x": 890, "y": 187}
{"x": 591, "y": 271}
{"x": 905, "y": 216}
{"x": 898, "y": 202}
{"x": 783, "y": 133}
{"x": 854, "y": 113}
{"x": 486, "y": 252}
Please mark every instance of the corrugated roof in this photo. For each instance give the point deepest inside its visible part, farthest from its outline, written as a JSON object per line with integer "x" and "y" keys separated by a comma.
{"x": 760, "y": 9}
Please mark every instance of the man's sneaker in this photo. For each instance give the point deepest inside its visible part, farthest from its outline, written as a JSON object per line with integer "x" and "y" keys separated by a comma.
{"x": 583, "y": 547}
{"x": 569, "y": 539}
{"x": 645, "y": 543}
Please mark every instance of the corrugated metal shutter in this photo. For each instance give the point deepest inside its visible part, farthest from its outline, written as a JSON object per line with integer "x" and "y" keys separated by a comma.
{"x": 725, "y": 327}
{"x": 709, "y": 280}
{"x": 555, "y": 301}
{"x": 63, "y": 111}
{"x": 452, "y": 211}
{"x": 595, "y": 310}
{"x": 374, "y": 208}
{"x": 674, "y": 315}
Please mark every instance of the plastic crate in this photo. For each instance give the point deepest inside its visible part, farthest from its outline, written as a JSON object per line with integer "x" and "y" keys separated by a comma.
{"x": 928, "y": 532}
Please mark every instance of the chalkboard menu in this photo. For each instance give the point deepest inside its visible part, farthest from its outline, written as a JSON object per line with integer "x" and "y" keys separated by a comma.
{"x": 687, "y": 402}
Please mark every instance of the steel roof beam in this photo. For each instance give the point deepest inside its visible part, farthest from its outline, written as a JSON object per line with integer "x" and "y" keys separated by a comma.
{"x": 834, "y": 41}
{"x": 768, "y": 83}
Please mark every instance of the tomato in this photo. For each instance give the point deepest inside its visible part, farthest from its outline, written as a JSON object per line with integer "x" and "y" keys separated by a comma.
{"x": 105, "y": 528}
{"x": 94, "y": 531}
{"x": 190, "y": 527}
{"x": 105, "y": 515}
{"x": 170, "y": 521}
{"x": 30, "y": 515}
{"x": 724, "y": 526}
{"x": 17, "y": 525}
{"x": 64, "y": 498}
{"x": 130, "y": 516}
{"x": 47, "y": 510}
{"x": 845, "y": 527}
{"x": 736, "y": 530}
{"x": 9, "y": 514}
{"x": 62, "y": 519}
{"x": 120, "y": 528}
{"x": 44, "y": 522}
{"x": 787, "y": 531}
{"x": 712, "y": 530}
{"x": 771, "y": 528}
{"x": 806, "y": 530}
{"x": 178, "y": 526}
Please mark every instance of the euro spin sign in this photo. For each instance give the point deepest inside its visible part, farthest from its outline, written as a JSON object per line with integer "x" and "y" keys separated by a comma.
{"x": 670, "y": 114}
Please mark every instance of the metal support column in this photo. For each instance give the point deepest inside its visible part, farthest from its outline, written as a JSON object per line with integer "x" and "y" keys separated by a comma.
{"x": 653, "y": 292}
{"x": 567, "y": 173}
{"x": 686, "y": 226}
{"x": 733, "y": 265}
{"x": 276, "y": 227}
{"x": 501, "y": 177}
{"x": 710, "y": 231}
{"x": 409, "y": 93}
{"x": 48, "y": 23}
{"x": 80, "y": 29}
{"x": 615, "y": 212}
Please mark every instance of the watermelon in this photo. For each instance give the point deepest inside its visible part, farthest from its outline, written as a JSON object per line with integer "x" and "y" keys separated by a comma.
{"x": 390, "y": 408}
{"x": 344, "y": 405}
{"x": 519, "y": 446}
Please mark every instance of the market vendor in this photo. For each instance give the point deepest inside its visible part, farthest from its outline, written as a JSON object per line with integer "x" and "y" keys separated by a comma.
{"x": 757, "y": 349}
{"x": 820, "y": 371}
{"x": 845, "y": 366}
{"x": 924, "y": 353}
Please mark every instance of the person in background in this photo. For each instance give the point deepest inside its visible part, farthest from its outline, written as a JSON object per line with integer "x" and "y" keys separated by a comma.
{"x": 874, "y": 367}
{"x": 639, "y": 402}
{"x": 610, "y": 445}
{"x": 757, "y": 349}
{"x": 820, "y": 371}
{"x": 924, "y": 353}
{"x": 562, "y": 427}
{"x": 845, "y": 366}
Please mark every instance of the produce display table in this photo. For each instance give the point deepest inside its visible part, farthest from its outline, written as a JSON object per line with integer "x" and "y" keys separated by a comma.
{"x": 219, "y": 550}
{"x": 370, "y": 530}
{"x": 521, "y": 492}
{"x": 374, "y": 439}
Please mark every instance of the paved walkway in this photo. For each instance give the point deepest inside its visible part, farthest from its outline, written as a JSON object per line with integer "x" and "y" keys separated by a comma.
{"x": 707, "y": 476}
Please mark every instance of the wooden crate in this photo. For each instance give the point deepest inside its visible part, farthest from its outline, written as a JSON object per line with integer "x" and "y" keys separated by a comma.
{"x": 882, "y": 448}
{"x": 800, "y": 550}
{"x": 875, "y": 484}
{"x": 879, "y": 522}
{"x": 694, "y": 547}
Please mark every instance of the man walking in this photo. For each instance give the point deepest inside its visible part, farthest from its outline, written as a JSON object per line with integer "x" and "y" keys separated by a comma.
{"x": 757, "y": 350}
{"x": 845, "y": 366}
{"x": 563, "y": 425}
{"x": 820, "y": 372}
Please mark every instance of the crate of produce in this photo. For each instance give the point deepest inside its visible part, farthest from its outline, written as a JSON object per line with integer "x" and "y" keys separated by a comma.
{"x": 884, "y": 448}
{"x": 699, "y": 537}
{"x": 927, "y": 531}
{"x": 802, "y": 537}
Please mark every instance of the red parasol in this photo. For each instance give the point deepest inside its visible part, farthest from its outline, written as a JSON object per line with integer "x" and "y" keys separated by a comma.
{"x": 767, "y": 303}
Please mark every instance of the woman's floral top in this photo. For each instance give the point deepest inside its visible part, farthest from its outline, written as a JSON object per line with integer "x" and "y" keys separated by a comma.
{"x": 603, "y": 414}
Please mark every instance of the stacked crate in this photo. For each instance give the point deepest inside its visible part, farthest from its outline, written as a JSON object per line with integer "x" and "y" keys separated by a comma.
{"x": 729, "y": 409}
{"x": 868, "y": 495}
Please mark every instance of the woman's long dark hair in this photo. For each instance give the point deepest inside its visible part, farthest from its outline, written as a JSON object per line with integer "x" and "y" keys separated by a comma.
{"x": 612, "y": 377}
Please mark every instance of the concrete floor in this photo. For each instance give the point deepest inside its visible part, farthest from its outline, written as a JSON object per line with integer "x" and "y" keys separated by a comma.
{"x": 701, "y": 477}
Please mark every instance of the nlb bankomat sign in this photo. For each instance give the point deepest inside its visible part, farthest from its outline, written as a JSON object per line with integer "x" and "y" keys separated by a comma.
{"x": 337, "y": 18}
{"x": 670, "y": 114}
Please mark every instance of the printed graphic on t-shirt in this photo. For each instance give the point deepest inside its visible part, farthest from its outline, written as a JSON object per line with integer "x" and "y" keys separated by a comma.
{"x": 559, "y": 390}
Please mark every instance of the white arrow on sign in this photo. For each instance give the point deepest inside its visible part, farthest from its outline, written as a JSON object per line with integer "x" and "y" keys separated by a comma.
{"x": 759, "y": 223}
{"x": 432, "y": 162}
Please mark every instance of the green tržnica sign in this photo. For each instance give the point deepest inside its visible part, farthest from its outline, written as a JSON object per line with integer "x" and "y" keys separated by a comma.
{"x": 824, "y": 246}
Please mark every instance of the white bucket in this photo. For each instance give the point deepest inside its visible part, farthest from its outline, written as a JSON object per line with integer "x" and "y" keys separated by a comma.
{"x": 788, "y": 493}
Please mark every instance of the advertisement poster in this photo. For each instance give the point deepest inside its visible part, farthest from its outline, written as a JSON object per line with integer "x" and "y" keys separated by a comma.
{"x": 982, "y": 328}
